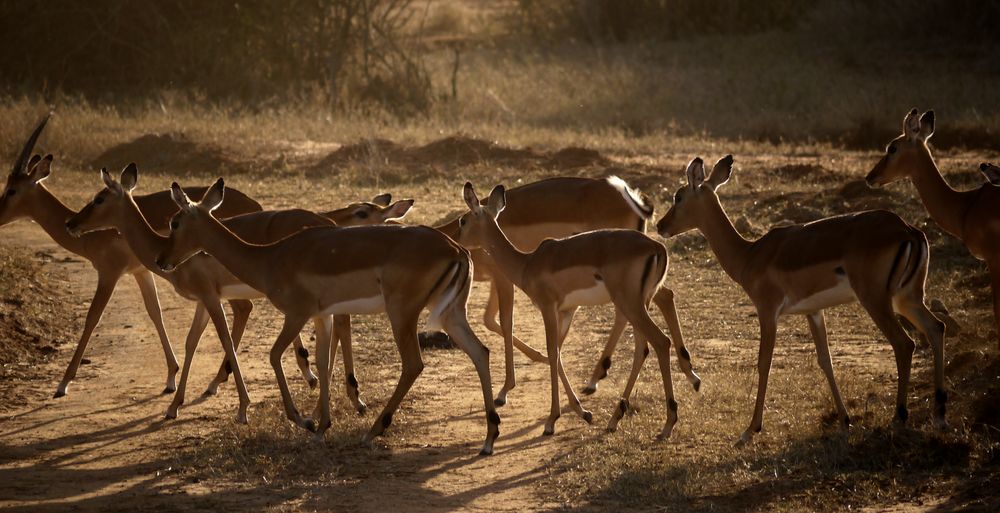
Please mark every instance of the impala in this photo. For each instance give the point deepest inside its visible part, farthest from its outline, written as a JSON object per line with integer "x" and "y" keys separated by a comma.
{"x": 972, "y": 216}
{"x": 556, "y": 208}
{"x": 623, "y": 267}
{"x": 203, "y": 280}
{"x": 991, "y": 172}
{"x": 26, "y": 197}
{"x": 399, "y": 270}
{"x": 871, "y": 257}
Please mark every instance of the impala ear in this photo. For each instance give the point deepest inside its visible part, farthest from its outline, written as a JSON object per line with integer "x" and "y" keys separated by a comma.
{"x": 179, "y": 196}
{"x": 109, "y": 182}
{"x": 130, "y": 177}
{"x": 991, "y": 172}
{"x": 911, "y": 124}
{"x": 32, "y": 163}
{"x": 471, "y": 200}
{"x": 926, "y": 125}
{"x": 696, "y": 172}
{"x": 41, "y": 169}
{"x": 214, "y": 195}
{"x": 497, "y": 201}
{"x": 721, "y": 173}
{"x": 383, "y": 200}
{"x": 399, "y": 209}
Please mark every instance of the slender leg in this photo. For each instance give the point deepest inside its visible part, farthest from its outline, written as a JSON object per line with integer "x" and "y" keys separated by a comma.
{"x": 324, "y": 337}
{"x": 646, "y": 329}
{"x": 404, "y": 329}
{"x": 933, "y": 330}
{"x": 105, "y": 288}
{"x": 505, "y": 294}
{"x": 190, "y": 346}
{"x": 241, "y": 314}
{"x": 147, "y": 287}
{"x": 218, "y": 316}
{"x": 342, "y": 336}
{"x": 565, "y": 320}
{"x": 289, "y": 330}
{"x": 604, "y": 363}
{"x": 664, "y": 299}
{"x": 768, "y": 331}
{"x": 457, "y": 325}
{"x": 551, "y": 318}
{"x": 493, "y": 307}
{"x": 638, "y": 358}
{"x": 817, "y": 325}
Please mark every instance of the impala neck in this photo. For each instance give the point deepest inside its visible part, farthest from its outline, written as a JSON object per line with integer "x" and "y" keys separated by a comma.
{"x": 510, "y": 259}
{"x": 945, "y": 205}
{"x": 729, "y": 246}
{"x": 144, "y": 241}
{"x": 51, "y": 214}
{"x": 243, "y": 259}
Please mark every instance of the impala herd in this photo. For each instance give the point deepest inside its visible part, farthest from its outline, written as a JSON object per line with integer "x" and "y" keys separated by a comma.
{"x": 565, "y": 242}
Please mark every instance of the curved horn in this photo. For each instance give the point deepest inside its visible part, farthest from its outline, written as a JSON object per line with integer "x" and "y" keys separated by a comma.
{"x": 22, "y": 161}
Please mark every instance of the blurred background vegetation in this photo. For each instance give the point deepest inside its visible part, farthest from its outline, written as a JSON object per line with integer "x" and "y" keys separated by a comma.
{"x": 830, "y": 70}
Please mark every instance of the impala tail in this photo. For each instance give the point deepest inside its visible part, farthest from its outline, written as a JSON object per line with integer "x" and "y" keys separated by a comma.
{"x": 636, "y": 200}
{"x": 451, "y": 287}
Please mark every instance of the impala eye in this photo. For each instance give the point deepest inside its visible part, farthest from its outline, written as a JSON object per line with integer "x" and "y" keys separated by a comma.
{"x": 361, "y": 214}
{"x": 11, "y": 192}
{"x": 98, "y": 200}
{"x": 174, "y": 224}
{"x": 461, "y": 221}
{"x": 891, "y": 149}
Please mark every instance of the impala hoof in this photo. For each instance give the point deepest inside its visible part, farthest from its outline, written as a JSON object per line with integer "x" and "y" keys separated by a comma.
{"x": 309, "y": 425}
{"x": 209, "y": 392}
{"x": 589, "y": 390}
{"x": 168, "y": 390}
{"x": 313, "y": 382}
{"x": 485, "y": 452}
{"x": 170, "y": 415}
{"x": 697, "y": 385}
{"x": 362, "y": 408}
{"x": 588, "y": 417}
{"x": 58, "y": 394}
{"x": 548, "y": 432}
{"x": 500, "y": 401}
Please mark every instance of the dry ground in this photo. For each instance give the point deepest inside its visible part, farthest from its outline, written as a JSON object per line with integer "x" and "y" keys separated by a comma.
{"x": 106, "y": 445}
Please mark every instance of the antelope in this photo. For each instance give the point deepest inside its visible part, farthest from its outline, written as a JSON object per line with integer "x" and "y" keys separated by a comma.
{"x": 396, "y": 269}
{"x": 969, "y": 215}
{"x": 25, "y": 196}
{"x": 871, "y": 257}
{"x": 556, "y": 208}
{"x": 991, "y": 172}
{"x": 623, "y": 267}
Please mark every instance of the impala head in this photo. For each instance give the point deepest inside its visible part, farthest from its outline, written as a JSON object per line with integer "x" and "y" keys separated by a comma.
{"x": 905, "y": 153}
{"x": 185, "y": 239}
{"x": 692, "y": 201}
{"x": 24, "y": 180}
{"x": 991, "y": 172}
{"x": 376, "y": 211}
{"x": 473, "y": 224}
{"x": 106, "y": 209}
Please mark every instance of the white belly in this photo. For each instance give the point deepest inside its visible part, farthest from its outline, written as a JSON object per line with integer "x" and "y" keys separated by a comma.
{"x": 364, "y": 305}
{"x": 840, "y": 294}
{"x": 241, "y": 291}
{"x": 596, "y": 295}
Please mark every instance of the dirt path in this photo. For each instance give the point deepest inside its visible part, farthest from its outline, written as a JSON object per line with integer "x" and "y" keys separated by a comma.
{"x": 107, "y": 446}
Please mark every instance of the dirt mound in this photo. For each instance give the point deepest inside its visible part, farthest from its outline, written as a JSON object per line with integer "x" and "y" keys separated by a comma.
{"x": 460, "y": 151}
{"x": 32, "y": 318}
{"x": 172, "y": 152}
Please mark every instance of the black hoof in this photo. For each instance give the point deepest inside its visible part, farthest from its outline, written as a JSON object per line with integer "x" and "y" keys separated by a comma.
{"x": 588, "y": 390}
{"x": 310, "y": 425}
{"x": 168, "y": 390}
{"x": 484, "y": 452}
{"x": 588, "y": 417}
{"x": 58, "y": 394}
{"x": 499, "y": 401}
{"x": 548, "y": 432}
{"x": 362, "y": 408}
{"x": 697, "y": 386}
{"x": 312, "y": 383}
{"x": 209, "y": 392}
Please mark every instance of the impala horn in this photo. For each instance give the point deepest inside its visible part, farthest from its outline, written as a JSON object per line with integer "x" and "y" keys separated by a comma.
{"x": 20, "y": 166}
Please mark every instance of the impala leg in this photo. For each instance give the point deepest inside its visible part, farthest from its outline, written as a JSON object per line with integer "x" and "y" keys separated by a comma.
{"x": 995, "y": 285}
{"x": 817, "y": 326}
{"x": 902, "y": 348}
{"x": 342, "y": 335}
{"x": 198, "y": 325}
{"x": 324, "y": 338}
{"x": 218, "y": 316}
{"x": 105, "y": 288}
{"x": 147, "y": 287}
{"x": 241, "y": 314}
{"x": 664, "y": 300}
{"x": 646, "y": 329}
{"x": 404, "y": 328}
{"x": 551, "y": 318}
{"x": 458, "y": 329}
{"x": 505, "y": 295}
{"x": 604, "y": 363}
{"x": 490, "y": 321}
{"x": 565, "y": 320}
{"x": 933, "y": 329}
{"x": 768, "y": 332}
{"x": 302, "y": 360}
{"x": 638, "y": 358}
{"x": 289, "y": 330}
